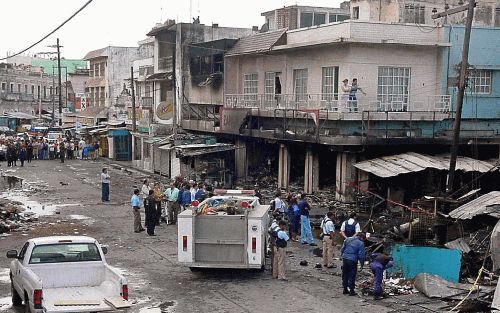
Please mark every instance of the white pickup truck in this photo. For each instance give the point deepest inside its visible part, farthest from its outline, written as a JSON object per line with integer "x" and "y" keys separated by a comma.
{"x": 65, "y": 274}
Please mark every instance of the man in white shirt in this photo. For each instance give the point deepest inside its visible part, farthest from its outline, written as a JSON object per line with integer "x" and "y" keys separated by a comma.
{"x": 145, "y": 189}
{"x": 105, "y": 185}
{"x": 279, "y": 206}
{"x": 280, "y": 251}
{"x": 350, "y": 227}
{"x": 328, "y": 233}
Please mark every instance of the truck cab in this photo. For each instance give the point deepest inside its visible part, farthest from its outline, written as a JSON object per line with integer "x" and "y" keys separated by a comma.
{"x": 227, "y": 230}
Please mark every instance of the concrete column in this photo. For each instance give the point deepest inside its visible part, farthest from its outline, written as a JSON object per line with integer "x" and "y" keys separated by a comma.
{"x": 311, "y": 171}
{"x": 133, "y": 150}
{"x": 240, "y": 159}
{"x": 283, "y": 167}
{"x": 345, "y": 176}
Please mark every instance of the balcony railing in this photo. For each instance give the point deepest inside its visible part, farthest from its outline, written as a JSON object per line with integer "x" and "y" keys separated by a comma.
{"x": 146, "y": 102}
{"x": 339, "y": 103}
{"x": 165, "y": 63}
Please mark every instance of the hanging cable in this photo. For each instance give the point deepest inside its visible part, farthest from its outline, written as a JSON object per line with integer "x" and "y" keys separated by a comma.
{"x": 46, "y": 36}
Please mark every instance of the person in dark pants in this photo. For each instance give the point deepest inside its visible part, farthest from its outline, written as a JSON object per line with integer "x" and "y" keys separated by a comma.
{"x": 22, "y": 155}
{"x": 29, "y": 152}
{"x": 151, "y": 215}
{"x": 62, "y": 151}
{"x": 353, "y": 251}
{"x": 105, "y": 185}
{"x": 380, "y": 262}
{"x": 159, "y": 197}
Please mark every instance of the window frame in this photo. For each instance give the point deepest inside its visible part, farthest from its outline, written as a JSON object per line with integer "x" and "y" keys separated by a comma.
{"x": 300, "y": 83}
{"x": 393, "y": 84}
{"x": 66, "y": 244}
{"x": 414, "y": 13}
{"x": 485, "y": 78}
{"x": 250, "y": 86}
{"x": 329, "y": 91}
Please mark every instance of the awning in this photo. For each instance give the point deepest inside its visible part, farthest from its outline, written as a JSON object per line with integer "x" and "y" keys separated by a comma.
{"x": 160, "y": 76}
{"x": 166, "y": 147}
{"x": 412, "y": 162}
{"x": 200, "y": 149}
{"x": 21, "y": 115}
{"x": 153, "y": 140}
{"x": 488, "y": 204}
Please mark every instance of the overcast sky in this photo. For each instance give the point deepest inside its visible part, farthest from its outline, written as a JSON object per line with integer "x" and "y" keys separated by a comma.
{"x": 119, "y": 22}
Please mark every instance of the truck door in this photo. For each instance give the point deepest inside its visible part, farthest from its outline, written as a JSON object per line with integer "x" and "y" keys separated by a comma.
{"x": 221, "y": 239}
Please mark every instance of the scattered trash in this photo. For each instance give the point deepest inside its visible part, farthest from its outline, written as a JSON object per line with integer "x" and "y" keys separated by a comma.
{"x": 303, "y": 263}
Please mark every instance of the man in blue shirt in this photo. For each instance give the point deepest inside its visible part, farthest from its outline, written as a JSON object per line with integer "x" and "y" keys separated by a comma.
{"x": 279, "y": 250}
{"x": 380, "y": 262}
{"x": 306, "y": 236}
{"x": 328, "y": 233}
{"x": 135, "y": 202}
{"x": 353, "y": 251}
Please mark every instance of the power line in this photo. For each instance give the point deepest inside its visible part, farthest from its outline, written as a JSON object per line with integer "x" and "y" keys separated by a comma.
{"x": 46, "y": 36}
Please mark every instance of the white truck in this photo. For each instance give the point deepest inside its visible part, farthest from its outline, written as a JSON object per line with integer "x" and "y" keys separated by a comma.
{"x": 65, "y": 274}
{"x": 228, "y": 230}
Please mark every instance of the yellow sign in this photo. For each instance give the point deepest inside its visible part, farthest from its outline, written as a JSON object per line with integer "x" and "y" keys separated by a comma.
{"x": 165, "y": 111}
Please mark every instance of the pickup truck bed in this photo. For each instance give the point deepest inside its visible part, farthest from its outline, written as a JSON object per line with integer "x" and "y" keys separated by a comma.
{"x": 51, "y": 295}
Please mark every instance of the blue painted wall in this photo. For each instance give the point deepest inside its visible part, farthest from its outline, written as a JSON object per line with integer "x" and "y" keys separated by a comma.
{"x": 484, "y": 54}
{"x": 411, "y": 261}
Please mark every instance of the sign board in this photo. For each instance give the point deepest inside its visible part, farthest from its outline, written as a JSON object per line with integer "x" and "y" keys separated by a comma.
{"x": 165, "y": 111}
{"x": 231, "y": 119}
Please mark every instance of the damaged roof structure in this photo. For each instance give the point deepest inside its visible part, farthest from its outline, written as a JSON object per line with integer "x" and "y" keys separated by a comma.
{"x": 488, "y": 204}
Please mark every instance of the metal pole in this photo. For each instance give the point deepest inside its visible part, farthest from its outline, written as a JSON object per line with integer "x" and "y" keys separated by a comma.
{"x": 133, "y": 99}
{"x": 460, "y": 98}
{"x": 59, "y": 81}
{"x": 40, "y": 98}
{"x": 53, "y": 97}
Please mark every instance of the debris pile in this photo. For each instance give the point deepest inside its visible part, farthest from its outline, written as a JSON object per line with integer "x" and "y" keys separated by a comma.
{"x": 13, "y": 216}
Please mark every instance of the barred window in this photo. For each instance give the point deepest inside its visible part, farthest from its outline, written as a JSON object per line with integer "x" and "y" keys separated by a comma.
{"x": 393, "y": 84}
{"x": 300, "y": 78}
{"x": 250, "y": 83}
{"x": 328, "y": 80}
{"x": 480, "y": 81}
{"x": 414, "y": 13}
{"x": 269, "y": 83}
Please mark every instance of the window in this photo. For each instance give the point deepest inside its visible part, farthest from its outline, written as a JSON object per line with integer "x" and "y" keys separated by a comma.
{"x": 329, "y": 83}
{"x": 45, "y": 92}
{"x": 355, "y": 13}
{"x": 12, "y": 87}
{"x": 22, "y": 253}
{"x": 147, "y": 91}
{"x": 51, "y": 91}
{"x": 63, "y": 253}
{"x": 250, "y": 86}
{"x": 102, "y": 97}
{"x": 393, "y": 85}
{"x": 18, "y": 88}
{"x": 102, "y": 66}
{"x": 4, "y": 86}
{"x": 306, "y": 19}
{"x": 91, "y": 71}
{"x": 497, "y": 17}
{"x": 96, "y": 70}
{"x": 39, "y": 91}
{"x": 300, "y": 84}
{"x": 269, "y": 82}
{"x": 480, "y": 81}
{"x": 319, "y": 18}
{"x": 26, "y": 89}
{"x": 414, "y": 13}
{"x": 32, "y": 90}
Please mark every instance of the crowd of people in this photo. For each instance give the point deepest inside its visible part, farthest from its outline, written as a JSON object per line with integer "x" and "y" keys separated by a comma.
{"x": 295, "y": 215}
{"x": 27, "y": 150}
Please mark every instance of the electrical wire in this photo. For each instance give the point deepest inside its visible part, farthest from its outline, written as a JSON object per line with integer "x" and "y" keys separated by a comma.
{"x": 52, "y": 32}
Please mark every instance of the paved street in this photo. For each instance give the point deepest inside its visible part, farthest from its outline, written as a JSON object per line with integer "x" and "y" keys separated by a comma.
{"x": 155, "y": 278}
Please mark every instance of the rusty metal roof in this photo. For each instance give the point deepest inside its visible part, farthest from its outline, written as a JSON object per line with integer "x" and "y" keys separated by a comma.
{"x": 411, "y": 162}
{"x": 261, "y": 42}
{"x": 96, "y": 54}
{"x": 488, "y": 204}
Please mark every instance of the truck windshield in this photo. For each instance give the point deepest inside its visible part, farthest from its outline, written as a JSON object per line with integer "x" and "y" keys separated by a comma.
{"x": 61, "y": 253}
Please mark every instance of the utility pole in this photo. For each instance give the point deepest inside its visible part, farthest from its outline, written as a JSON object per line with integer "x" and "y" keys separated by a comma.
{"x": 59, "y": 80}
{"x": 40, "y": 97}
{"x": 462, "y": 84}
{"x": 133, "y": 99}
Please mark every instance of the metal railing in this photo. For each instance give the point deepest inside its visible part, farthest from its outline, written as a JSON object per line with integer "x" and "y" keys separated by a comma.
{"x": 339, "y": 103}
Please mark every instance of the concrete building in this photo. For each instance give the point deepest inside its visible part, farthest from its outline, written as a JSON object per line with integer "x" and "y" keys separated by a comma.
{"x": 109, "y": 67}
{"x": 487, "y": 12}
{"x": 24, "y": 88}
{"x": 297, "y": 16}
{"x": 187, "y": 81}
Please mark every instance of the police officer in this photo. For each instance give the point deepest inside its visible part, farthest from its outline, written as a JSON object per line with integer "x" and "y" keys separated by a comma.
{"x": 350, "y": 227}
{"x": 353, "y": 251}
{"x": 280, "y": 250}
{"x": 380, "y": 262}
{"x": 328, "y": 233}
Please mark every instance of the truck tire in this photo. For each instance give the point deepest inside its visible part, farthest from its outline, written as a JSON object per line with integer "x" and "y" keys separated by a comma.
{"x": 27, "y": 308}
{"x": 16, "y": 299}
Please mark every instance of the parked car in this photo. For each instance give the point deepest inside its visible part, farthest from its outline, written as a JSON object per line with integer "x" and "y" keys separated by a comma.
{"x": 64, "y": 274}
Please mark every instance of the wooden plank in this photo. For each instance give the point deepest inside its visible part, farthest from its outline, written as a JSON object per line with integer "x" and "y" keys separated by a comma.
{"x": 76, "y": 302}
{"x": 117, "y": 302}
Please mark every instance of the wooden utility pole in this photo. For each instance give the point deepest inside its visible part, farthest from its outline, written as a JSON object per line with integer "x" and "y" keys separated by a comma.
{"x": 462, "y": 84}
{"x": 134, "y": 128}
{"x": 59, "y": 81}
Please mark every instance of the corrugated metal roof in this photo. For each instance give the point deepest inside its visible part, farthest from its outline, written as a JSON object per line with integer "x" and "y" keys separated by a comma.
{"x": 261, "y": 42}
{"x": 95, "y": 54}
{"x": 390, "y": 166}
{"x": 487, "y": 204}
{"x": 458, "y": 244}
{"x": 200, "y": 149}
{"x": 495, "y": 249}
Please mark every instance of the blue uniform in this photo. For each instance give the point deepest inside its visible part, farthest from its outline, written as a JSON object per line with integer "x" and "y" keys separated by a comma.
{"x": 379, "y": 264}
{"x": 353, "y": 251}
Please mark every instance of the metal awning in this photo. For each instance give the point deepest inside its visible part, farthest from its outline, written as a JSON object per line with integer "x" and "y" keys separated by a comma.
{"x": 21, "y": 115}
{"x": 200, "y": 149}
{"x": 412, "y": 162}
{"x": 153, "y": 140}
{"x": 160, "y": 76}
{"x": 488, "y": 204}
{"x": 166, "y": 147}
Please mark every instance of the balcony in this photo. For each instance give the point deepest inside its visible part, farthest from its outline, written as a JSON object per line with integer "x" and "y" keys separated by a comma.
{"x": 336, "y": 103}
{"x": 146, "y": 102}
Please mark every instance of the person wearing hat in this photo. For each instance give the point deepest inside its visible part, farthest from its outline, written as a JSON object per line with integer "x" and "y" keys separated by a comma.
{"x": 344, "y": 96}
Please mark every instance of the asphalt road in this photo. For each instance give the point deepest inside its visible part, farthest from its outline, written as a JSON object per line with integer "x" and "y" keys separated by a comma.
{"x": 157, "y": 283}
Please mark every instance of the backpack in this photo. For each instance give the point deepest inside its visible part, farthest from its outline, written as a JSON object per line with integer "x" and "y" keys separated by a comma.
{"x": 350, "y": 230}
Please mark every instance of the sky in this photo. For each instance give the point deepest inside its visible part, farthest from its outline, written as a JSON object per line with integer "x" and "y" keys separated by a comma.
{"x": 119, "y": 22}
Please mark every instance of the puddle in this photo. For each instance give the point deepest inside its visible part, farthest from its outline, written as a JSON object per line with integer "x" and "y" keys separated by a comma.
{"x": 4, "y": 276}
{"x": 10, "y": 182}
{"x": 5, "y": 303}
{"x": 29, "y": 205}
{"x": 79, "y": 217}
{"x": 165, "y": 307}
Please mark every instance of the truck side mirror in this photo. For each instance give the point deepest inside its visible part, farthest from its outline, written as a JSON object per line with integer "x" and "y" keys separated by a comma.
{"x": 12, "y": 254}
{"x": 104, "y": 250}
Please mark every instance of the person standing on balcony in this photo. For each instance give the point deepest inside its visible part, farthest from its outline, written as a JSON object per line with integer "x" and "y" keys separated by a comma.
{"x": 353, "y": 101}
{"x": 344, "y": 96}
